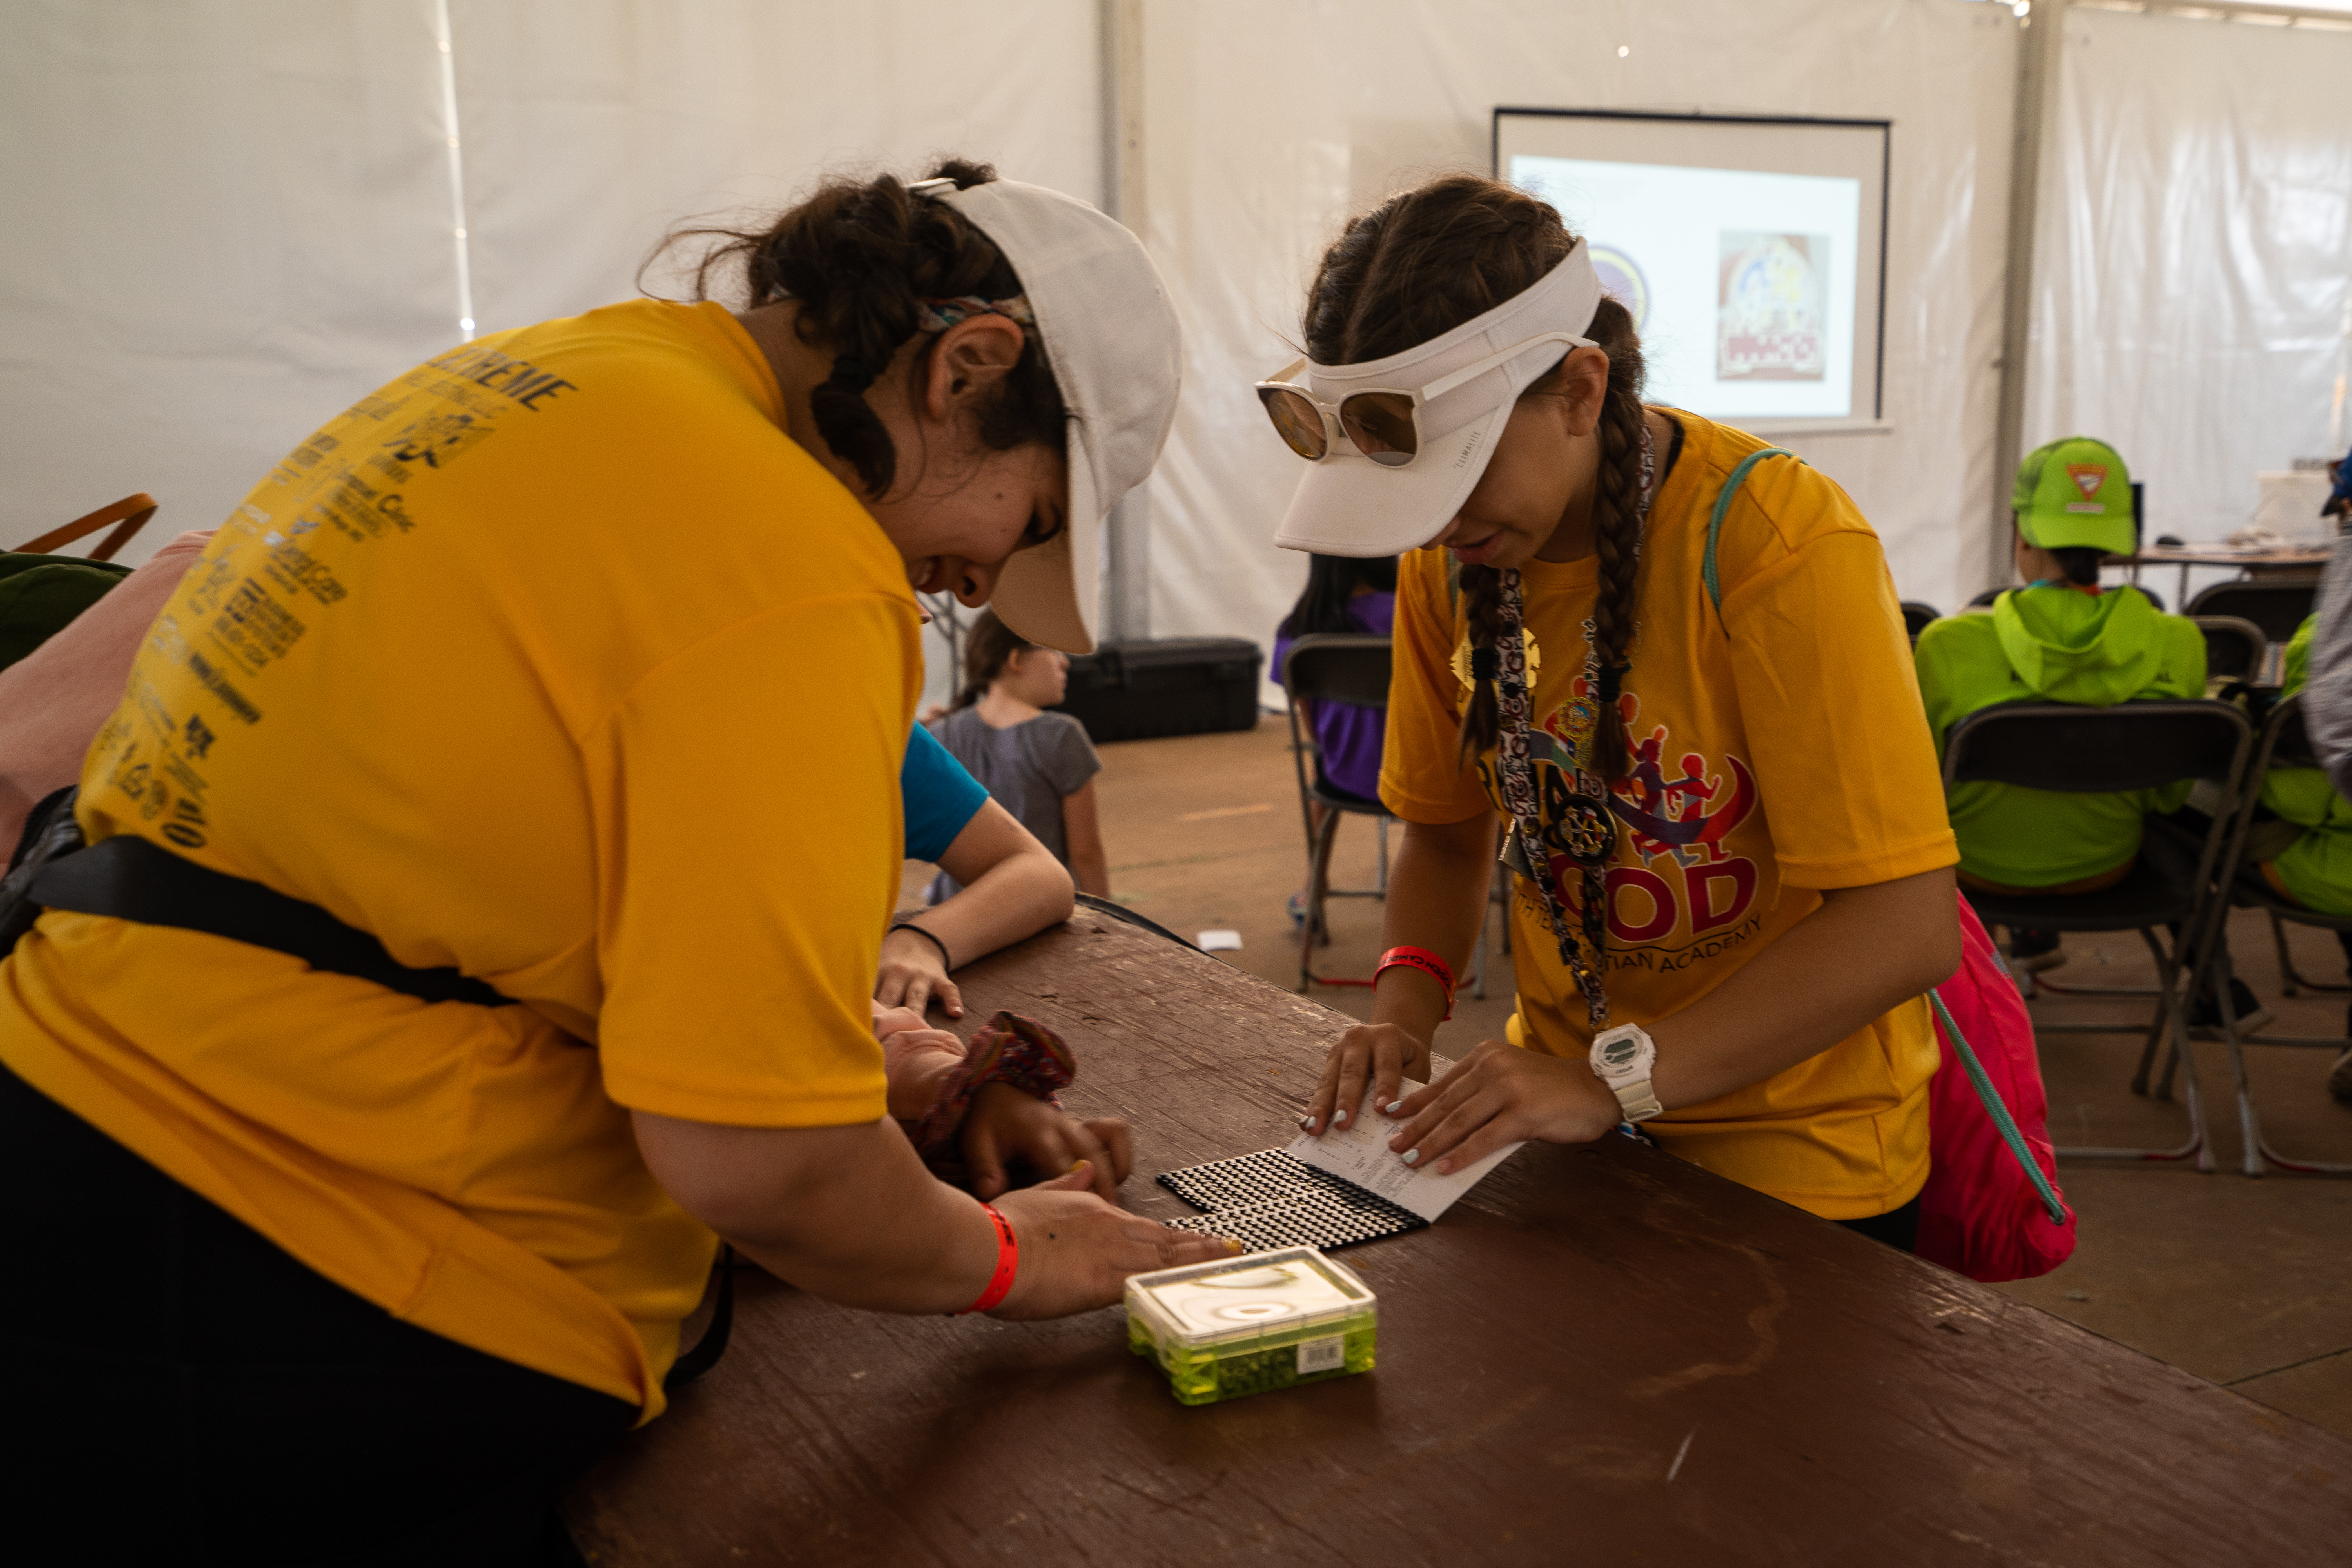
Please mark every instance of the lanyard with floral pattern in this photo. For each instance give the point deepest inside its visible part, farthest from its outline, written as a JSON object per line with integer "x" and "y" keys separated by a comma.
{"x": 1587, "y": 833}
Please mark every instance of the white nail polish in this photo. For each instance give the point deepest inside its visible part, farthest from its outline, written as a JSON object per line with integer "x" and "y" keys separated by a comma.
{"x": 1411, "y": 1155}
{"x": 1394, "y": 1106}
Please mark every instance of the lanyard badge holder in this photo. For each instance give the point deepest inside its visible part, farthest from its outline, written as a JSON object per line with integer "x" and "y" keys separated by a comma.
{"x": 1587, "y": 832}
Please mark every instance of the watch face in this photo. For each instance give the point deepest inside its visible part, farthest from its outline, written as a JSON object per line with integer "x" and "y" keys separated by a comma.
{"x": 1621, "y": 1055}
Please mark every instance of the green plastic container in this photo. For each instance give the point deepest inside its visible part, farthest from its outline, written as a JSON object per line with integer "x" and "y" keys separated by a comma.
{"x": 1246, "y": 1325}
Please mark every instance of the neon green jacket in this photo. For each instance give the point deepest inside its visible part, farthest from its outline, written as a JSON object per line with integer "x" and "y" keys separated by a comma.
{"x": 2054, "y": 644}
{"x": 2316, "y": 868}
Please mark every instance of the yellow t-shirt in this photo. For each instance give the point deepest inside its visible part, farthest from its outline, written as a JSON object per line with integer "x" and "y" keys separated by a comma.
{"x": 554, "y": 660}
{"x": 1788, "y": 756}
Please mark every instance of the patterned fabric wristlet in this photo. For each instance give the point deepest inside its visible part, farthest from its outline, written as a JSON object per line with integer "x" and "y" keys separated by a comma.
{"x": 1009, "y": 1048}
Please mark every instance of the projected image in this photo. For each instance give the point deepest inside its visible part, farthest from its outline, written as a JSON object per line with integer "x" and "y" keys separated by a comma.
{"x": 1741, "y": 282}
{"x": 1621, "y": 281}
{"x": 1771, "y": 326}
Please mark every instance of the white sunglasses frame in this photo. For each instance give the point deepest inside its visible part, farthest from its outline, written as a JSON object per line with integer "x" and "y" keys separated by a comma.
{"x": 1335, "y": 429}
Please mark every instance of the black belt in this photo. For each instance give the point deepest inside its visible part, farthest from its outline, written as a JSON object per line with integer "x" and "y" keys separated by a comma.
{"x": 132, "y": 879}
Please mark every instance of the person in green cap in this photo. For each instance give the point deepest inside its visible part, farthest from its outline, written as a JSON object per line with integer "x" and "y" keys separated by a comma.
{"x": 2059, "y": 640}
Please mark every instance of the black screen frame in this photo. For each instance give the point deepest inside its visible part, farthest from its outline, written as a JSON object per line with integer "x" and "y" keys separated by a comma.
{"x": 1885, "y": 128}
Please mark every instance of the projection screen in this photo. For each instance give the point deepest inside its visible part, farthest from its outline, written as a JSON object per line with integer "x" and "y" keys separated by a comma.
{"x": 1752, "y": 251}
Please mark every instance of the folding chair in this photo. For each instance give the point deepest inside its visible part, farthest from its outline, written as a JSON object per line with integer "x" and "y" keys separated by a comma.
{"x": 1342, "y": 667}
{"x": 2277, "y": 607}
{"x": 2132, "y": 746}
{"x": 2235, "y": 649}
{"x": 1917, "y": 616}
{"x": 129, "y": 514}
{"x": 2283, "y": 743}
{"x": 1331, "y": 667}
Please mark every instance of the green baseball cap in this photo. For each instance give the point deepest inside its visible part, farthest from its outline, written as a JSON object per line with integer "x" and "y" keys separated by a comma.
{"x": 2074, "y": 493}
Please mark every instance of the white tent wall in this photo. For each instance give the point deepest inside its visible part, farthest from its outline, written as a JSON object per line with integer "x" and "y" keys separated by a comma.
{"x": 225, "y": 220}
{"x": 2194, "y": 255}
{"x": 592, "y": 127}
{"x": 1257, "y": 154}
{"x": 232, "y": 217}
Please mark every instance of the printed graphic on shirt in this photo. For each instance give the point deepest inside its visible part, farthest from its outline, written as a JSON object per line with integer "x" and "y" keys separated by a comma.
{"x": 273, "y": 573}
{"x": 1676, "y": 895}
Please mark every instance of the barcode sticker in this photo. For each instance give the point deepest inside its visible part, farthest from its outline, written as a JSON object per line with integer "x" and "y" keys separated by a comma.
{"x": 1322, "y": 1355}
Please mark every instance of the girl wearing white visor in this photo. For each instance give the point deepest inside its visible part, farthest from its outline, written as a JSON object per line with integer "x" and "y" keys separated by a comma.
{"x": 492, "y": 855}
{"x": 1732, "y": 866}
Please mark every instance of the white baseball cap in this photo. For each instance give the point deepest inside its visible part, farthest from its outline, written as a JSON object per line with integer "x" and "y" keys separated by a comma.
{"x": 1111, "y": 340}
{"x": 1349, "y": 503}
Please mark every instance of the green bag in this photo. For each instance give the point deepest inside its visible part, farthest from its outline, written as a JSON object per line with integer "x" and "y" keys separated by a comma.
{"x": 40, "y": 593}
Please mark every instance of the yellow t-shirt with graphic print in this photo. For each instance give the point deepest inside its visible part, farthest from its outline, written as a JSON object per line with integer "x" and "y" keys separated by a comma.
{"x": 1788, "y": 756}
{"x": 491, "y": 668}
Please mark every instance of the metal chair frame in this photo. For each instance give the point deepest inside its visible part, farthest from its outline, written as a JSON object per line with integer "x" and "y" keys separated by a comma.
{"x": 1341, "y": 666}
{"x": 2234, "y": 641}
{"x": 2277, "y": 607}
{"x": 1353, "y": 675}
{"x": 2282, "y": 742}
{"x": 2242, "y": 650}
{"x": 2076, "y": 749}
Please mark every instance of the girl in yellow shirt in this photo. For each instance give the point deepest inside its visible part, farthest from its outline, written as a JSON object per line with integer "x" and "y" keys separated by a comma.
{"x": 486, "y": 671}
{"x": 1720, "y": 801}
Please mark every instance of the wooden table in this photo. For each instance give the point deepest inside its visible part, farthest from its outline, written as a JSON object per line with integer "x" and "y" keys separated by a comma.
{"x": 1601, "y": 1355}
{"x": 2288, "y": 563}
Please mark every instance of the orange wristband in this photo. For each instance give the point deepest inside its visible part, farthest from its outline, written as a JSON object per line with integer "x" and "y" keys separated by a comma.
{"x": 1428, "y": 962}
{"x": 1008, "y": 1263}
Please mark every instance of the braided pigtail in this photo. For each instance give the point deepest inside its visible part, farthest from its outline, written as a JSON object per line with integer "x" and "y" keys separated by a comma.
{"x": 1482, "y": 612}
{"x": 1617, "y": 530}
{"x": 861, "y": 257}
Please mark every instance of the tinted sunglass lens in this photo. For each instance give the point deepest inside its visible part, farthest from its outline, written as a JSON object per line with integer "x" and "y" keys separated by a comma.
{"x": 1380, "y": 424}
{"x": 1300, "y": 425}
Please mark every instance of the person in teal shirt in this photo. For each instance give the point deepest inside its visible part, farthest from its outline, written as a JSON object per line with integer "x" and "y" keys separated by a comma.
{"x": 2059, "y": 639}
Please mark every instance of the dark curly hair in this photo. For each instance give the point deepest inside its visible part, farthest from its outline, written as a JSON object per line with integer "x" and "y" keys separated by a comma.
{"x": 860, "y": 257}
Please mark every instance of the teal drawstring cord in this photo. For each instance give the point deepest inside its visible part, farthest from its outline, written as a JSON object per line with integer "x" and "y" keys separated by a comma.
{"x": 2000, "y": 1112}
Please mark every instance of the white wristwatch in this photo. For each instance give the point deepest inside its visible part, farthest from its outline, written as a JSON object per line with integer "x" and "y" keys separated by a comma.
{"x": 1623, "y": 1058}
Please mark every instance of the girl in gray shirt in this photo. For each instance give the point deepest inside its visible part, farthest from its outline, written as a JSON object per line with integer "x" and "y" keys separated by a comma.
{"x": 1039, "y": 766}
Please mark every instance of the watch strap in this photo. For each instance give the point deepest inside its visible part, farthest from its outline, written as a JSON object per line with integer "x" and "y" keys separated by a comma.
{"x": 1638, "y": 1099}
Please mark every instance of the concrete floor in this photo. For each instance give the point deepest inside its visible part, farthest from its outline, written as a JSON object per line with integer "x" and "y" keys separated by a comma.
{"x": 2245, "y": 1282}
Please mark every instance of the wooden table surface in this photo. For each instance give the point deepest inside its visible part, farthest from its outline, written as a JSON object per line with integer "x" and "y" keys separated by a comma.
{"x": 1600, "y": 1355}
{"x": 2313, "y": 554}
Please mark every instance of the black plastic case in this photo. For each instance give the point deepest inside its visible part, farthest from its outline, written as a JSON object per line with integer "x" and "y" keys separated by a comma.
{"x": 1166, "y": 686}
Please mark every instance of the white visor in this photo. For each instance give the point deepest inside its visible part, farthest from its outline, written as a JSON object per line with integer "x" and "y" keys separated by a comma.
{"x": 1347, "y": 504}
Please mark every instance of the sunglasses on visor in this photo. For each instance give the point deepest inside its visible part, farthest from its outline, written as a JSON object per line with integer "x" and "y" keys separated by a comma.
{"x": 1383, "y": 423}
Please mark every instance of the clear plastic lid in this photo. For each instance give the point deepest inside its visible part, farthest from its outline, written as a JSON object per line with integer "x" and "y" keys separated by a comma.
{"x": 1243, "y": 1298}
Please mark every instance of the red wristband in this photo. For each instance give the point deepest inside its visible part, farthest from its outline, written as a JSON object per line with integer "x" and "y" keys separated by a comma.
{"x": 1008, "y": 1263}
{"x": 1428, "y": 962}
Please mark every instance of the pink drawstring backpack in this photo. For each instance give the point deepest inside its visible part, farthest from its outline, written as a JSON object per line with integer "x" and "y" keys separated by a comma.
{"x": 1991, "y": 1208}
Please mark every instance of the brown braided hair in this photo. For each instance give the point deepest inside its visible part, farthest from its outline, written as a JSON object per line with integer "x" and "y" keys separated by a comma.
{"x": 1422, "y": 263}
{"x": 860, "y": 257}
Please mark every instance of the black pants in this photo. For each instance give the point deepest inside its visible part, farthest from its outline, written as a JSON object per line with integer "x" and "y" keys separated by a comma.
{"x": 184, "y": 1393}
{"x": 1898, "y": 1229}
